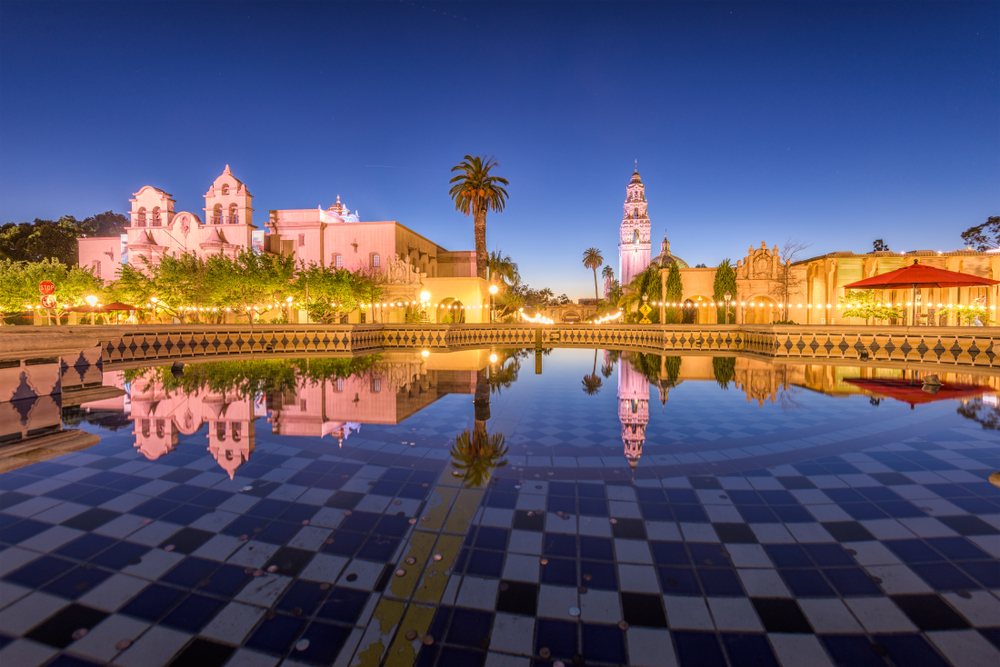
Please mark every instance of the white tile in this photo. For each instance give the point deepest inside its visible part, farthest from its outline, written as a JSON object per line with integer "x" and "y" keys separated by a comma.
{"x": 735, "y": 614}
{"x": 699, "y": 532}
{"x": 61, "y": 512}
{"x": 799, "y": 650}
{"x": 113, "y": 592}
{"x": 154, "y": 534}
{"x": 478, "y": 593}
{"x": 687, "y": 612}
{"x": 99, "y": 643}
{"x": 748, "y": 555}
{"x": 154, "y": 563}
{"x": 771, "y": 533}
{"x": 809, "y": 532}
{"x": 887, "y": 529}
{"x": 324, "y": 568}
{"x": 327, "y": 517}
{"x": 233, "y": 623}
{"x": 525, "y": 542}
{"x": 253, "y": 553}
{"x": 897, "y": 579}
{"x": 26, "y": 653}
{"x": 600, "y": 606}
{"x": 966, "y": 648}
{"x": 624, "y": 510}
{"x": 498, "y": 517}
{"x": 873, "y": 553}
{"x": 528, "y": 501}
{"x": 763, "y": 583}
{"x": 880, "y": 614}
{"x": 503, "y": 660}
{"x": 637, "y": 578}
{"x": 633, "y": 551}
{"x": 595, "y": 526}
{"x": 28, "y": 612}
{"x": 122, "y": 526}
{"x": 15, "y": 557}
{"x": 829, "y": 615}
{"x": 662, "y": 530}
{"x": 648, "y": 647}
{"x": 154, "y": 648}
{"x": 264, "y": 591}
{"x": 310, "y": 538}
{"x": 829, "y": 513}
{"x": 927, "y": 527}
{"x": 368, "y": 574}
{"x": 982, "y": 609}
{"x": 520, "y": 567}
{"x": 11, "y": 593}
{"x": 32, "y": 506}
{"x": 555, "y": 601}
{"x": 512, "y": 633}
{"x": 215, "y": 521}
{"x": 566, "y": 525}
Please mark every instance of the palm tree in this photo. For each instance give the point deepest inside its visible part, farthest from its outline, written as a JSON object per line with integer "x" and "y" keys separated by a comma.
{"x": 592, "y": 383}
{"x": 592, "y": 260}
{"x": 504, "y": 268}
{"x": 475, "y": 191}
{"x": 648, "y": 283}
{"x": 608, "y": 273}
{"x": 478, "y": 454}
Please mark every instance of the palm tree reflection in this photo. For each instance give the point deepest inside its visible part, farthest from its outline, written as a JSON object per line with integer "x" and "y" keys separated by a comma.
{"x": 478, "y": 454}
{"x": 592, "y": 383}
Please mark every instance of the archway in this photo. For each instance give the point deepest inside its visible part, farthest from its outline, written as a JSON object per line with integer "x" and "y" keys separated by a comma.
{"x": 571, "y": 316}
{"x": 450, "y": 311}
{"x": 703, "y": 311}
{"x": 760, "y": 310}
{"x": 688, "y": 312}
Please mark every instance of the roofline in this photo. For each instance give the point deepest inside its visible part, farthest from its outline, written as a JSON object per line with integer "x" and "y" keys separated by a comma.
{"x": 846, "y": 254}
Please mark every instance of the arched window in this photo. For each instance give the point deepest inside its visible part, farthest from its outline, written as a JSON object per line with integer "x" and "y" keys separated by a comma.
{"x": 220, "y": 430}
{"x": 97, "y": 268}
{"x": 236, "y": 431}
{"x": 144, "y": 424}
{"x": 160, "y": 428}
{"x": 234, "y": 217}
{"x": 156, "y": 217}
{"x": 141, "y": 217}
{"x": 217, "y": 215}
{"x": 225, "y": 189}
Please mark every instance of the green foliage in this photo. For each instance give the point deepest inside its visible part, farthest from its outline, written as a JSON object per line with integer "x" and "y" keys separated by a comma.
{"x": 725, "y": 281}
{"x": 985, "y": 236}
{"x": 475, "y": 191}
{"x": 969, "y": 314}
{"x": 673, "y": 292}
{"x": 19, "y": 286}
{"x": 648, "y": 283}
{"x": 46, "y": 239}
{"x": 592, "y": 259}
{"x": 863, "y": 304}
{"x": 504, "y": 268}
{"x": 333, "y": 292}
{"x": 725, "y": 370}
{"x": 476, "y": 455}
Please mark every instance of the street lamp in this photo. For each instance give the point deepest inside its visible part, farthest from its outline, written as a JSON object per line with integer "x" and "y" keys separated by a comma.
{"x": 91, "y": 300}
{"x": 493, "y": 290}
{"x": 728, "y": 297}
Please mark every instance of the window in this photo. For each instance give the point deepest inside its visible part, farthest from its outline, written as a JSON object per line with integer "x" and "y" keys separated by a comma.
{"x": 141, "y": 218}
{"x": 338, "y": 261}
{"x": 302, "y": 240}
{"x": 376, "y": 385}
{"x": 340, "y": 384}
{"x": 302, "y": 405}
{"x": 376, "y": 262}
{"x": 97, "y": 268}
{"x": 234, "y": 217}
{"x": 156, "y": 217}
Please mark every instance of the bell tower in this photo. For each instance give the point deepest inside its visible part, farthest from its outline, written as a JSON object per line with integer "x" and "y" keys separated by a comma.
{"x": 633, "y": 240}
{"x": 228, "y": 206}
{"x": 633, "y": 410}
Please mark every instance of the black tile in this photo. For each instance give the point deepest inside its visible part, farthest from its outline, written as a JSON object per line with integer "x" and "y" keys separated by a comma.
{"x": 560, "y": 637}
{"x": 276, "y": 635}
{"x": 469, "y": 627}
{"x": 93, "y": 518}
{"x": 796, "y": 482}
{"x": 38, "y": 571}
{"x": 518, "y": 597}
{"x": 968, "y": 525}
{"x": 325, "y": 642}
{"x": 187, "y": 540}
{"x": 203, "y": 653}
{"x": 11, "y": 498}
{"x": 644, "y": 609}
{"x": 559, "y": 571}
{"x": 930, "y": 612}
{"x": 749, "y": 650}
{"x": 153, "y": 602}
{"x": 603, "y": 644}
{"x": 735, "y": 533}
{"x": 705, "y": 482}
{"x": 848, "y": 531}
{"x": 77, "y": 582}
{"x": 193, "y": 613}
{"x": 633, "y": 529}
{"x": 289, "y": 561}
{"x": 58, "y": 630}
{"x": 698, "y": 649}
{"x": 344, "y": 604}
{"x": 529, "y": 520}
{"x": 781, "y": 615}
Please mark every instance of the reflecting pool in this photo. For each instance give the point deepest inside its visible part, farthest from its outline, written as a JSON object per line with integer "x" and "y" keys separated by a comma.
{"x": 499, "y": 507}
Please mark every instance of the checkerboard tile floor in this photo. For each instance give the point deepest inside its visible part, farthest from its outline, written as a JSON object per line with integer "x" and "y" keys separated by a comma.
{"x": 880, "y": 555}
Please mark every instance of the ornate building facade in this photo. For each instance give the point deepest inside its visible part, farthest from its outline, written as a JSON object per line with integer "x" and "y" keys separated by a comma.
{"x": 634, "y": 234}
{"x": 407, "y": 262}
{"x": 633, "y": 410}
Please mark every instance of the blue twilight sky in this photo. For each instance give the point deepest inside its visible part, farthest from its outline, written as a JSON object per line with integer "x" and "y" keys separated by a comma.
{"x": 834, "y": 123}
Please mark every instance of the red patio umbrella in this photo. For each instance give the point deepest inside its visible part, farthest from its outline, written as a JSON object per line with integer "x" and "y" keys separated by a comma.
{"x": 922, "y": 276}
{"x": 914, "y": 391}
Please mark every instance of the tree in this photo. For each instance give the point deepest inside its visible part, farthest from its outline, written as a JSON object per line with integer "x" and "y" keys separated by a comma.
{"x": 476, "y": 454}
{"x": 368, "y": 287}
{"x": 725, "y": 281}
{"x": 645, "y": 284}
{"x": 592, "y": 259}
{"x": 19, "y": 286}
{"x": 879, "y": 246}
{"x": 592, "y": 383}
{"x": 863, "y": 304}
{"x": 475, "y": 191}
{"x": 985, "y": 236}
{"x": 674, "y": 290}
{"x": 788, "y": 281}
{"x": 609, "y": 276}
{"x": 504, "y": 268}
{"x": 43, "y": 239}
{"x": 331, "y": 292}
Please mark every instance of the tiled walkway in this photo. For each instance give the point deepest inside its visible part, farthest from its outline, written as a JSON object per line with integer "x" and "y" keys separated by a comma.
{"x": 886, "y": 555}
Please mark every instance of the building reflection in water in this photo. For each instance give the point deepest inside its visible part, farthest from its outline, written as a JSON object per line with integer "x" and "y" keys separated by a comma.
{"x": 320, "y": 397}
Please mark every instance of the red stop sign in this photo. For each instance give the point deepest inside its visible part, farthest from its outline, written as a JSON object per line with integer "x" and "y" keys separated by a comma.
{"x": 47, "y": 287}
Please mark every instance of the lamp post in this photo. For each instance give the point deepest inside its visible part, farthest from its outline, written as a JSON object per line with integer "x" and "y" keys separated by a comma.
{"x": 91, "y": 300}
{"x": 493, "y": 290}
{"x": 728, "y": 297}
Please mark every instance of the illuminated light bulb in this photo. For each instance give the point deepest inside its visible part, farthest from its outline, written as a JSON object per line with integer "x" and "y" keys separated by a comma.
{"x": 425, "y": 353}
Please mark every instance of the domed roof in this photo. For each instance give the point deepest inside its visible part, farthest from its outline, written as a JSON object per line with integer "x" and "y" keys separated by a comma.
{"x": 665, "y": 258}
{"x": 635, "y": 177}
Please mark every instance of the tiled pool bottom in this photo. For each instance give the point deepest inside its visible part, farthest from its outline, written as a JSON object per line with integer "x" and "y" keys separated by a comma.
{"x": 854, "y": 560}
{"x": 838, "y": 533}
